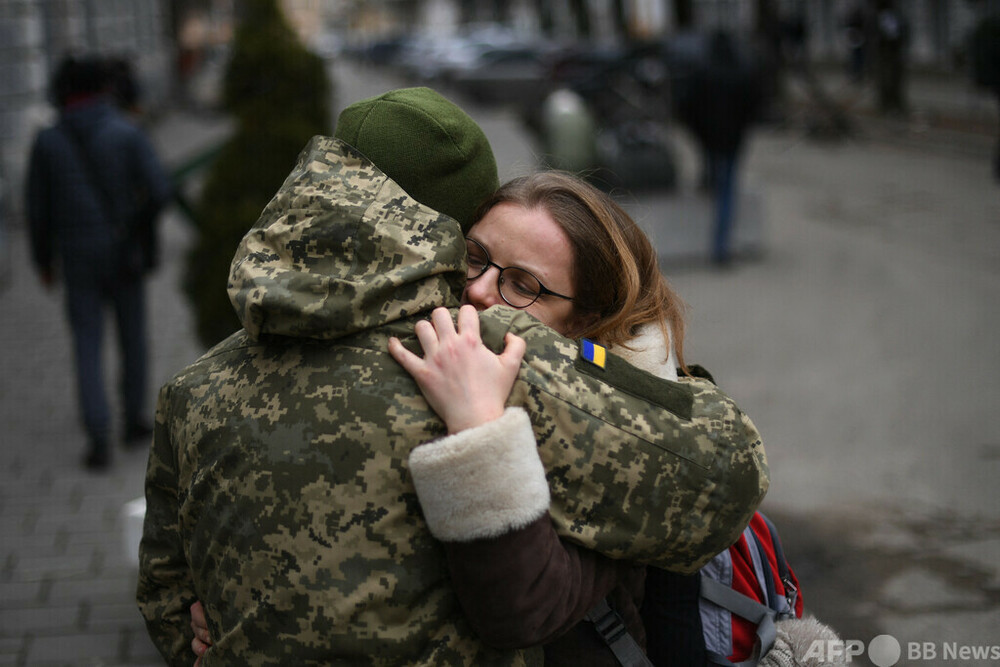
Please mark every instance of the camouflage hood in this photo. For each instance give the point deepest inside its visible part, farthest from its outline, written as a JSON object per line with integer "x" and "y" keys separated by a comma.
{"x": 342, "y": 248}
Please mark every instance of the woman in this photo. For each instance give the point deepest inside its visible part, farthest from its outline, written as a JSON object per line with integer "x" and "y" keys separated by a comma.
{"x": 562, "y": 250}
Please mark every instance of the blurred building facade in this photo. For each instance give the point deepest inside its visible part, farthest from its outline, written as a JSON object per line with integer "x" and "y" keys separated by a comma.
{"x": 167, "y": 40}
{"x": 939, "y": 28}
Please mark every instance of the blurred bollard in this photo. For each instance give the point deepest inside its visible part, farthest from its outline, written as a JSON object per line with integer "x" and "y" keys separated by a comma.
{"x": 132, "y": 515}
{"x": 569, "y": 132}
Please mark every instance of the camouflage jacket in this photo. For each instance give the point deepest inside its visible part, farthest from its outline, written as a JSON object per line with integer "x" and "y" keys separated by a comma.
{"x": 277, "y": 488}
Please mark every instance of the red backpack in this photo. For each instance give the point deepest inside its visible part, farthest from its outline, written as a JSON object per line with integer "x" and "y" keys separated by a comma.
{"x": 745, "y": 590}
{"x": 742, "y": 593}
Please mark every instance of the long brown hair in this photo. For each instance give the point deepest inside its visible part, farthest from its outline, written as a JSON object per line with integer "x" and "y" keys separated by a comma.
{"x": 616, "y": 275}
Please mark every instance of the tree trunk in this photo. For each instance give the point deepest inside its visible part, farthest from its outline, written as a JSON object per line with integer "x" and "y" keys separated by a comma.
{"x": 582, "y": 17}
{"x": 772, "y": 67}
{"x": 683, "y": 14}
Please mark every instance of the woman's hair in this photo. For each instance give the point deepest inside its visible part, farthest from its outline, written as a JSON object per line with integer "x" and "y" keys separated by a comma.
{"x": 616, "y": 276}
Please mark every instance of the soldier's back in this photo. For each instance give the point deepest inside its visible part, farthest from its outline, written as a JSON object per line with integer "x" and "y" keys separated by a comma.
{"x": 305, "y": 532}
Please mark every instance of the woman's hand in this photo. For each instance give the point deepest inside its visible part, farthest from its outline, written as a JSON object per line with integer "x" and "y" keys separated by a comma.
{"x": 202, "y": 640}
{"x": 464, "y": 382}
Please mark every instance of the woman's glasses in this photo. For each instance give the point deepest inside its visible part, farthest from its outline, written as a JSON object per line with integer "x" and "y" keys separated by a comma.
{"x": 518, "y": 287}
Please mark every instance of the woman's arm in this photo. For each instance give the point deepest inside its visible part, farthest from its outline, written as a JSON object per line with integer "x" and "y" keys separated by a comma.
{"x": 484, "y": 494}
{"x": 528, "y": 587}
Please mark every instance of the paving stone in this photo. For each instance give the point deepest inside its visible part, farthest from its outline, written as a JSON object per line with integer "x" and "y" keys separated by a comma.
{"x": 80, "y": 648}
{"x": 27, "y": 547}
{"x": 13, "y": 593}
{"x": 138, "y": 648}
{"x": 921, "y": 589}
{"x": 984, "y": 554}
{"x": 11, "y": 649}
{"x": 932, "y": 634}
{"x": 23, "y": 619}
{"x": 37, "y": 567}
{"x": 111, "y": 587}
{"x": 107, "y": 617}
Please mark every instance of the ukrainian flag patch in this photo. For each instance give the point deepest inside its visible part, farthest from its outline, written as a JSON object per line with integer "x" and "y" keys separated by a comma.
{"x": 592, "y": 352}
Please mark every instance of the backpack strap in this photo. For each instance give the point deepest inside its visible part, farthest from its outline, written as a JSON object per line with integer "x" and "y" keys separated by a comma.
{"x": 760, "y": 615}
{"x": 784, "y": 571}
{"x": 611, "y": 628}
{"x": 770, "y": 590}
{"x": 138, "y": 229}
{"x": 90, "y": 171}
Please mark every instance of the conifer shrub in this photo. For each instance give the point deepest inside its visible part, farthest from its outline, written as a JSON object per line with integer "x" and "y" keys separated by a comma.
{"x": 279, "y": 94}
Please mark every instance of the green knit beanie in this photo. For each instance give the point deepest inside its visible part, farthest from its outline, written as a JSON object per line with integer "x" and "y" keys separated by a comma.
{"x": 429, "y": 146}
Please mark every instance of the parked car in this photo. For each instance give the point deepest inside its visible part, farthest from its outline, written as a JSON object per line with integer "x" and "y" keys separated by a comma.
{"x": 434, "y": 57}
{"x": 382, "y": 51}
{"x": 517, "y": 76}
{"x": 327, "y": 44}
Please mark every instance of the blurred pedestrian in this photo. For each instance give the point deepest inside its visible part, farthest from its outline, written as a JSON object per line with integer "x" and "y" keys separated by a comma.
{"x": 721, "y": 103}
{"x": 984, "y": 47}
{"x": 856, "y": 36}
{"x": 891, "y": 38}
{"x": 94, "y": 189}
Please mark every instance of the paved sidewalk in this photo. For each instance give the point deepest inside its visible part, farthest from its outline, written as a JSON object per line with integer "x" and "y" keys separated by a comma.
{"x": 946, "y": 112}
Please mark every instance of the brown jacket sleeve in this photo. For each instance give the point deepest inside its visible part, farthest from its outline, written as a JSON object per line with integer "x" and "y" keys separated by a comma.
{"x": 527, "y": 587}
{"x": 484, "y": 494}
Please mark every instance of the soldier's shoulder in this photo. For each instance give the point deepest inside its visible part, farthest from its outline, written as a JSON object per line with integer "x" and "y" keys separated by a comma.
{"x": 496, "y": 322}
{"x": 552, "y": 359}
{"x": 219, "y": 355}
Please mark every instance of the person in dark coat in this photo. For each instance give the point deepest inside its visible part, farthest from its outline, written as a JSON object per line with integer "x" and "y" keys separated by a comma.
{"x": 890, "y": 35}
{"x": 719, "y": 107}
{"x": 856, "y": 34}
{"x": 93, "y": 178}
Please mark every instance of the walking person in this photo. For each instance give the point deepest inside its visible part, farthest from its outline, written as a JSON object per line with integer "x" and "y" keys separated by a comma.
{"x": 94, "y": 189}
{"x": 855, "y": 26}
{"x": 890, "y": 40}
{"x": 719, "y": 108}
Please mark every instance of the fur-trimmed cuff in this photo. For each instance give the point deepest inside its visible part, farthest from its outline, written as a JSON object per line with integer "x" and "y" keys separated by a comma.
{"x": 481, "y": 482}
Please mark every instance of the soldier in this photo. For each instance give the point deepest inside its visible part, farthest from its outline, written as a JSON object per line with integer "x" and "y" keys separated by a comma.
{"x": 278, "y": 491}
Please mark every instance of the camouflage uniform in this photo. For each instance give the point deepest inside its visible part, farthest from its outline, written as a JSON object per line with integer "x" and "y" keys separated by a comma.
{"x": 278, "y": 491}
